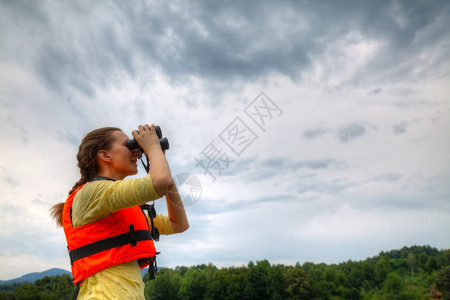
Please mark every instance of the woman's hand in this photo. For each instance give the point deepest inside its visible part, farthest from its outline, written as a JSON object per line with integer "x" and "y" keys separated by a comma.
{"x": 147, "y": 138}
{"x": 159, "y": 167}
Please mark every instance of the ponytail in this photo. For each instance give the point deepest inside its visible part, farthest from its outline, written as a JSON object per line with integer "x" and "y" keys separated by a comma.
{"x": 56, "y": 213}
{"x": 96, "y": 140}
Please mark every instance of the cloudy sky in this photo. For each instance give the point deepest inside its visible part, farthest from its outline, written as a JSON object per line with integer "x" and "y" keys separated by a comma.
{"x": 308, "y": 130}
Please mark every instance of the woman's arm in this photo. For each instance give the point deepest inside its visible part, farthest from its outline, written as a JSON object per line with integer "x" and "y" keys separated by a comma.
{"x": 161, "y": 176}
{"x": 175, "y": 209}
{"x": 159, "y": 171}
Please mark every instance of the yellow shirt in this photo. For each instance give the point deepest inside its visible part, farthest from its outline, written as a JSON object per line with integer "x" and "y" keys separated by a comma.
{"x": 96, "y": 200}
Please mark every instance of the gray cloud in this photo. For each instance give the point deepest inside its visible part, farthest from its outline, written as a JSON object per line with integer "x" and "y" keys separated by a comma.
{"x": 325, "y": 163}
{"x": 375, "y": 91}
{"x": 226, "y": 206}
{"x": 314, "y": 133}
{"x": 224, "y": 41}
{"x": 319, "y": 186}
{"x": 400, "y": 127}
{"x": 261, "y": 169}
{"x": 219, "y": 42}
{"x": 7, "y": 178}
{"x": 387, "y": 177}
{"x": 351, "y": 131}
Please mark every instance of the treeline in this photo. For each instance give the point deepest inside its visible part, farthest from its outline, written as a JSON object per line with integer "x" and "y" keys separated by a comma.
{"x": 58, "y": 287}
{"x": 418, "y": 272}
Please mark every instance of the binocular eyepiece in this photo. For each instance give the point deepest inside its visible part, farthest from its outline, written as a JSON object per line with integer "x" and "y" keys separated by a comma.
{"x": 163, "y": 142}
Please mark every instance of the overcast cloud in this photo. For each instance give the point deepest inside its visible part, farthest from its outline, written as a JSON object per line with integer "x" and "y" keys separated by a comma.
{"x": 348, "y": 156}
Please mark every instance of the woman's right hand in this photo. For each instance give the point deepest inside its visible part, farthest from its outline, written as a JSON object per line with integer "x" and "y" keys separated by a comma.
{"x": 159, "y": 167}
{"x": 147, "y": 138}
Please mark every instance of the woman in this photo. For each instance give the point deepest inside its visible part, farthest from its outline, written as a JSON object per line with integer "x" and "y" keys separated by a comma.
{"x": 108, "y": 236}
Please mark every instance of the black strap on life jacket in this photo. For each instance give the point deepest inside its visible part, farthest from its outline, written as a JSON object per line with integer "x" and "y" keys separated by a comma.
{"x": 132, "y": 237}
{"x": 77, "y": 291}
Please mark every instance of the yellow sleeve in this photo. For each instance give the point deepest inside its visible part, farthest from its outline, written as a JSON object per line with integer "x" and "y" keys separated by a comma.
{"x": 163, "y": 224}
{"x": 98, "y": 199}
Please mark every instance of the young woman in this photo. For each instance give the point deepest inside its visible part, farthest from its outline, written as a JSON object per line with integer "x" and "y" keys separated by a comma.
{"x": 108, "y": 235}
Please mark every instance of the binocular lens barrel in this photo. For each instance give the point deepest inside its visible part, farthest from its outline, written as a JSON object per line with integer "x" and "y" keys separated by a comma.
{"x": 163, "y": 141}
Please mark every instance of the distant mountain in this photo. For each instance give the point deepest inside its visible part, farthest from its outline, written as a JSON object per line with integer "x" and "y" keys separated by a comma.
{"x": 32, "y": 277}
{"x": 145, "y": 271}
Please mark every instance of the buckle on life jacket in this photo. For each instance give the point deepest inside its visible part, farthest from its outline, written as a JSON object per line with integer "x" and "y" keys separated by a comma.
{"x": 152, "y": 265}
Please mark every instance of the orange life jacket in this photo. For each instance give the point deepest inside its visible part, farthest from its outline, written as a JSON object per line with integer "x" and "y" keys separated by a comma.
{"x": 121, "y": 237}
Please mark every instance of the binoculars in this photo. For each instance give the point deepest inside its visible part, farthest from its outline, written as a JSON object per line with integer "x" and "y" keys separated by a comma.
{"x": 163, "y": 142}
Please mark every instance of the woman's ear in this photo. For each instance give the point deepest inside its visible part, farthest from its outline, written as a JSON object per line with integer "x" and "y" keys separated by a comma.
{"x": 103, "y": 155}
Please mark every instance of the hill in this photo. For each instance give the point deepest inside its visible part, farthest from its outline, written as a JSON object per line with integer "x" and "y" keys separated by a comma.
{"x": 32, "y": 277}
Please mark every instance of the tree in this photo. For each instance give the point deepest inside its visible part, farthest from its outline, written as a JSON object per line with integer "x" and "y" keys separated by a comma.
{"x": 443, "y": 282}
{"x": 275, "y": 283}
{"x": 422, "y": 260}
{"x": 431, "y": 264}
{"x": 217, "y": 287}
{"x": 412, "y": 263}
{"x": 382, "y": 269}
{"x": 356, "y": 276}
{"x": 447, "y": 256}
{"x": 323, "y": 289}
{"x": 165, "y": 286}
{"x": 393, "y": 284}
{"x": 231, "y": 283}
{"x": 27, "y": 291}
{"x": 193, "y": 285}
{"x": 257, "y": 277}
{"x": 297, "y": 285}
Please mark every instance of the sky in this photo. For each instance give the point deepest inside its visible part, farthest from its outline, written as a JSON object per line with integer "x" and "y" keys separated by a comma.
{"x": 299, "y": 131}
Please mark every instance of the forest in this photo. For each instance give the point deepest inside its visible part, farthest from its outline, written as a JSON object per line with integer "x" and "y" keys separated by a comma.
{"x": 417, "y": 272}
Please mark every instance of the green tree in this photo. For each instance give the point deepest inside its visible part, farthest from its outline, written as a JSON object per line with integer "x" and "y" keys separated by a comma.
{"x": 368, "y": 268}
{"x": 297, "y": 285}
{"x": 217, "y": 288}
{"x": 230, "y": 283}
{"x": 257, "y": 278}
{"x": 357, "y": 276}
{"x": 193, "y": 284}
{"x": 431, "y": 264}
{"x": 412, "y": 263}
{"x": 165, "y": 285}
{"x": 443, "y": 282}
{"x": 7, "y": 295}
{"x": 181, "y": 270}
{"x": 275, "y": 283}
{"x": 382, "y": 269}
{"x": 393, "y": 284}
{"x": 27, "y": 292}
{"x": 323, "y": 290}
{"x": 348, "y": 293}
{"x": 447, "y": 257}
{"x": 422, "y": 260}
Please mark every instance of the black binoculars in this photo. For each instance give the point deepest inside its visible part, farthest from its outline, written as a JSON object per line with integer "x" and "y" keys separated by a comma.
{"x": 163, "y": 142}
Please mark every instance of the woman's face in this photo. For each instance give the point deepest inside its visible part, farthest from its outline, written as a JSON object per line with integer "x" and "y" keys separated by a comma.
{"x": 123, "y": 161}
